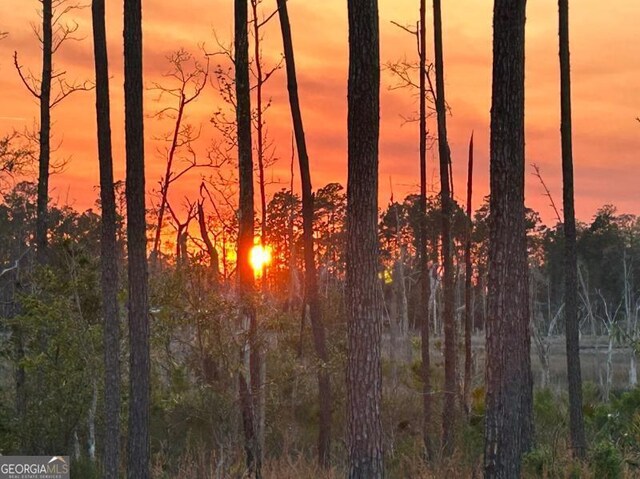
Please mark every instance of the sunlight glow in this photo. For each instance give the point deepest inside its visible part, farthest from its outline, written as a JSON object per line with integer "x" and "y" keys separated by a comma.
{"x": 260, "y": 257}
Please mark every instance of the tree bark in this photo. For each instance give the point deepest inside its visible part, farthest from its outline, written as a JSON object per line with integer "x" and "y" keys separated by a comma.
{"x": 138, "y": 453}
{"x": 364, "y": 375}
{"x": 449, "y": 398}
{"x": 108, "y": 246}
{"x": 245, "y": 233}
{"x": 425, "y": 277}
{"x": 572, "y": 325}
{"x": 310, "y": 273}
{"x": 508, "y": 420}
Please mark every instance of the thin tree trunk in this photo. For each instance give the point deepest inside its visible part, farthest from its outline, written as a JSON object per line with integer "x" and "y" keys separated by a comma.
{"x": 257, "y": 386}
{"x": 214, "y": 263}
{"x": 260, "y": 130}
{"x": 310, "y": 273}
{"x": 245, "y": 235}
{"x": 609, "y": 366}
{"x": 138, "y": 452}
{"x": 468, "y": 326}
{"x": 364, "y": 327}
{"x": 449, "y": 399}
{"x": 108, "y": 246}
{"x": 425, "y": 275}
{"x": 572, "y": 324}
{"x": 45, "y": 131}
{"x": 166, "y": 181}
{"x": 91, "y": 442}
{"x": 508, "y": 420}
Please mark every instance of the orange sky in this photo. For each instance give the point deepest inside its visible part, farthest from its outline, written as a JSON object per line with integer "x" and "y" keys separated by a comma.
{"x": 606, "y": 98}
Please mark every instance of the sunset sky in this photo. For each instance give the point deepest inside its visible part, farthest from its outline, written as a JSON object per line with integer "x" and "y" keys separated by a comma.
{"x": 606, "y": 94}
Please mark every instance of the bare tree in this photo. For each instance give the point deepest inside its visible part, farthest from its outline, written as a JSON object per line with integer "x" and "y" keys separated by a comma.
{"x": 245, "y": 235}
{"x": 262, "y": 144}
{"x": 402, "y": 71}
{"x": 364, "y": 375}
{"x": 508, "y": 420}
{"x": 108, "y": 245}
{"x": 310, "y": 274}
{"x": 214, "y": 263}
{"x": 576, "y": 421}
{"x": 52, "y": 34}
{"x": 190, "y": 82}
{"x": 449, "y": 399}
{"x": 468, "y": 308}
{"x": 138, "y": 452}
{"x": 182, "y": 232}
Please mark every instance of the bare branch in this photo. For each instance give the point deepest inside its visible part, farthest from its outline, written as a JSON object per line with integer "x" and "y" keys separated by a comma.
{"x": 538, "y": 173}
{"x": 66, "y": 89}
{"x": 406, "y": 28}
{"x": 266, "y": 20}
{"x": 31, "y": 88}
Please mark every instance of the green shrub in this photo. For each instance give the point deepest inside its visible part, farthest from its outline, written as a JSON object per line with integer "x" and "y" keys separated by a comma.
{"x": 606, "y": 461}
{"x": 84, "y": 468}
{"x": 537, "y": 462}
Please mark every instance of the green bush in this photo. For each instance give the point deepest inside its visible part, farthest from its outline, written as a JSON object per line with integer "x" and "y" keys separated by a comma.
{"x": 606, "y": 461}
{"x": 537, "y": 462}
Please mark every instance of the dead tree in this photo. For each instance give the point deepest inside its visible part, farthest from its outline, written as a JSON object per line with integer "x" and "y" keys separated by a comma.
{"x": 468, "y": 311}
{"x": 182, "y": 232}
{"x": 402, "y": 70}
{"x": 311, "y": 297}
{"x": 425, "y": 276}
{"x": 572, "y": 324}
{"x": 450, "y": 386}
{"x": 245, "y": 237}
{"x": 214, "y": 260}
{"x": 190, "y": 84}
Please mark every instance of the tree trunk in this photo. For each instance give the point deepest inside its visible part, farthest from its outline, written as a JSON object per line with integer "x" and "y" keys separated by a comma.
{"x": 508, "y": 422}
{"x": 572, "y": 324}
{"x": 310, "y": 274}
{"x": 468, "y": 325}
{"x": 45, "y": 131}
{"x": 139, "y": 386}
{"x": 245, "y": 235}
{"x": 364, "y": 374}
{"x": 214, "y": 262}
{"x": 425, "y": 275}
{"x": 91, "y": 441}
{"x": 609, "y": 366}
{"x": 257, "y": 386}
{"x": 108, "y": 246}
{"x": 449, "y": 397}
{"x": 166, "y": 182}
{"x": 260, "y": 131}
